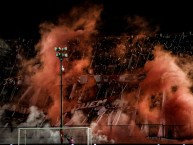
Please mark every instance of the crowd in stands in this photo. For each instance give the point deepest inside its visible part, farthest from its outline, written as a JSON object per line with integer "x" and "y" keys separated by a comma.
{"x": 105, "y": 61}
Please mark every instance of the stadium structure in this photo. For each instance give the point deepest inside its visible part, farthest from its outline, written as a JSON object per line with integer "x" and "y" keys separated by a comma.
{"x": 108, "y": 88}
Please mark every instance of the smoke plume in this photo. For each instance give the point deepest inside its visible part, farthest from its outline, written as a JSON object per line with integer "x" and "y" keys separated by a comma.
{"x": 67, "y": 32}
{"x": 166, "y": 95}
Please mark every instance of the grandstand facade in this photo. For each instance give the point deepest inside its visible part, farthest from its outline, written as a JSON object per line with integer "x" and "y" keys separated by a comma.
{"x": 116, "y": 68}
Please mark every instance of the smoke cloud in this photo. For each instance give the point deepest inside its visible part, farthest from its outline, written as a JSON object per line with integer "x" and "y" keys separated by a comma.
{"x": 163, "y": 97}
{"x": 166, "y": 80}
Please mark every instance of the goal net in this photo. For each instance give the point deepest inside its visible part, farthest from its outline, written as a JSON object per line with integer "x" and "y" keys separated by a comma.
{"x": 80, "y": 135}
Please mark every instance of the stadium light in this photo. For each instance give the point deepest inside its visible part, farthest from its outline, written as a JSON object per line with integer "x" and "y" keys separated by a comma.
{"x": 61, "y": 54}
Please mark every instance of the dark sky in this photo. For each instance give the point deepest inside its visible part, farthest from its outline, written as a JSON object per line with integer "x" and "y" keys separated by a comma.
{"x": 21, "y": 18}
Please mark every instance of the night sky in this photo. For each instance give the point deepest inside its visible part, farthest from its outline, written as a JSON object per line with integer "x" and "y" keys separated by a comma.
{"x": 21, "y": 18}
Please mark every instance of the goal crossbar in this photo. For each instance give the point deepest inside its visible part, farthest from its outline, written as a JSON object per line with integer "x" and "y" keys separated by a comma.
{"x": 85, "y": 132}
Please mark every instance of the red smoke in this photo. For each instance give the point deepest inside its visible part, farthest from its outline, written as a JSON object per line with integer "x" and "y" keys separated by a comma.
{"x": 172, "y": 102}
{"x": 46, "y": 77}
{"x": 167, "y": 80}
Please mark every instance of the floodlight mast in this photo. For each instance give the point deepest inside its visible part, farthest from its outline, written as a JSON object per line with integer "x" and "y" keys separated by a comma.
{"x": 60, "y": 53}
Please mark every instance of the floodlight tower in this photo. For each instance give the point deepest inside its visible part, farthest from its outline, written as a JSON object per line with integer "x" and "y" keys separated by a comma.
{"x": 61, "y": 54}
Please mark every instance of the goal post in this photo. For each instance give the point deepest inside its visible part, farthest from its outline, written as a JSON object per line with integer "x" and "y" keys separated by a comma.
{"x": 51, "y": 135}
